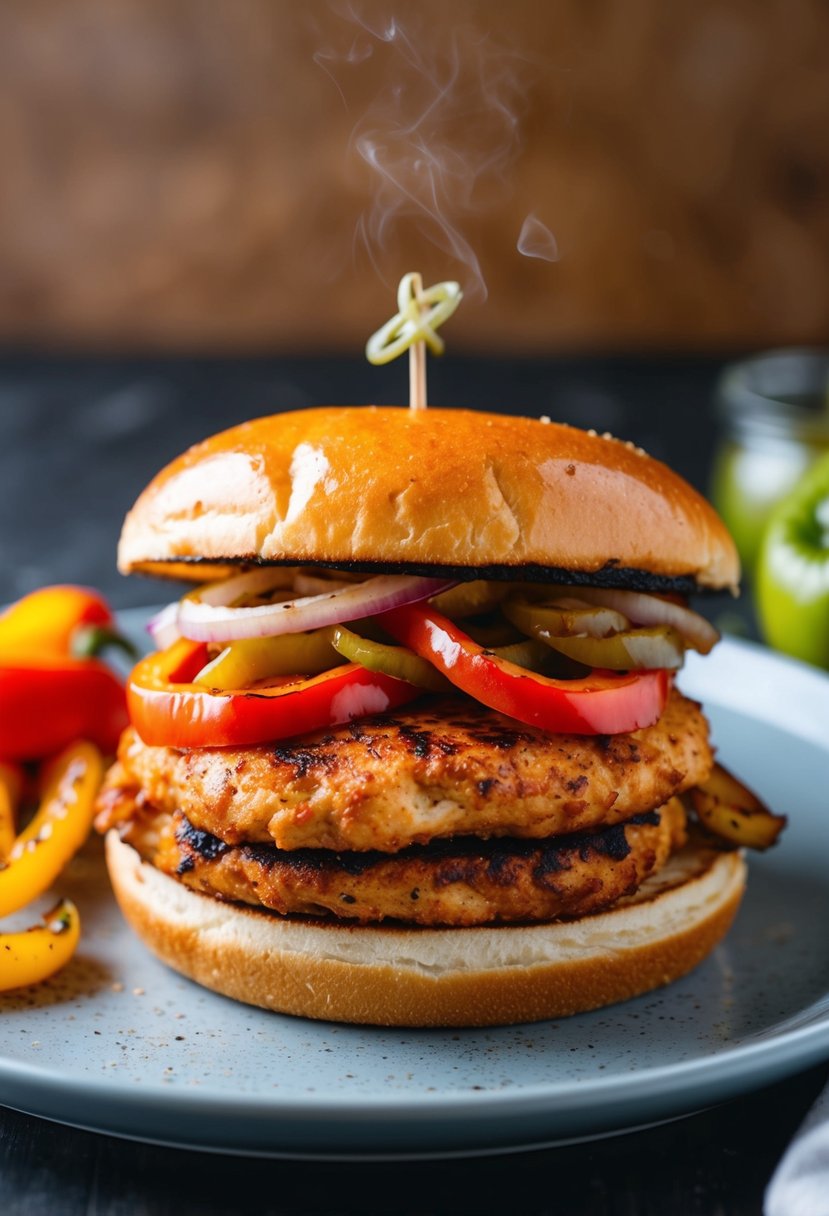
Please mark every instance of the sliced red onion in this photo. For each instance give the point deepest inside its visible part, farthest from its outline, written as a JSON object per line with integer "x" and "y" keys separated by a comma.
{"x": 163, "y": 627}
{"x": 644, "y": 609}
{"x": 208, "y": 615}
{"x": 313, "y": 584}
{"x": 227, "y": 591}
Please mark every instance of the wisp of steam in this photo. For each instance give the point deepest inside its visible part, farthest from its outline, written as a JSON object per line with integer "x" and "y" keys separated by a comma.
{"x": 536, "y": 241}
{"x": 440, "y": 136}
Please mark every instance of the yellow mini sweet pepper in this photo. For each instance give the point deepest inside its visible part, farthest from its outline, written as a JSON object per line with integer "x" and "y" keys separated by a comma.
{"x": 35, "y": 954}
{"x": 47, "y": 621}
{"x": 57, "y": 830}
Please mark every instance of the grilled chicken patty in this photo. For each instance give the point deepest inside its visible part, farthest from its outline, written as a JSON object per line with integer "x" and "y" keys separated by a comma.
{"x": 464, "y": 881}
{"x": 445, "y": 767}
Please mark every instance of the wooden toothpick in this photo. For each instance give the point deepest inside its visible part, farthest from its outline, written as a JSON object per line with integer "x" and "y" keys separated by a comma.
{"x": 417, "y": 355}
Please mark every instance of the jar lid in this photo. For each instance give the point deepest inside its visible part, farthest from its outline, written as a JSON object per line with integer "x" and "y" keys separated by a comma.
{"x": 781, "y": 394}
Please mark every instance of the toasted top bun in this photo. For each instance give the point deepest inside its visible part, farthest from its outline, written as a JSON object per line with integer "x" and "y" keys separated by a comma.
{"x": 432, "y": 490}
{"x": 393, "y": 975}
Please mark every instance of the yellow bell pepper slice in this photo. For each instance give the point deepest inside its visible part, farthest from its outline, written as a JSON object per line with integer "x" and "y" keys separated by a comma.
{"x": 11, "y": 783}
{"x": 242, "y": 663}
{"x": 57, "y": 830}
{"x": 37, "y": 953}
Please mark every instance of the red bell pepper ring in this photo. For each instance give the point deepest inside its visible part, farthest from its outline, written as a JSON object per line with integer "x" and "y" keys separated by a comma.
{"x": 47, "y": 703}
{"x": 603, "y": 703}
{"x": 168, "y": 710}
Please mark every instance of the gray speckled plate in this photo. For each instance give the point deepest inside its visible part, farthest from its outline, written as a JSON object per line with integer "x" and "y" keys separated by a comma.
{"x": 119, "y": 1044}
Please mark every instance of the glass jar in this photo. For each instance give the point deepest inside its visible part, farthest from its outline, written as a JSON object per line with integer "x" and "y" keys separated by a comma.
{"x": 774, "y": 409}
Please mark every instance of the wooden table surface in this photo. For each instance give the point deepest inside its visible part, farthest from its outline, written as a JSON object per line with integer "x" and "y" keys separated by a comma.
{"x": 80, "y": 439}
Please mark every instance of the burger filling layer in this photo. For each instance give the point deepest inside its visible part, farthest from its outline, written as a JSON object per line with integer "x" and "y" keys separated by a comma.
{"x": 401, "y": 749}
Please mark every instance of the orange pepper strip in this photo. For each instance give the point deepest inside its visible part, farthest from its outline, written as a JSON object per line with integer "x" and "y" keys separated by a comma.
{"x": 58, "y": 829}
{"x": 11, "y": 783}
{"x": 37, "y": 953}
{"x": 44, "y": 622}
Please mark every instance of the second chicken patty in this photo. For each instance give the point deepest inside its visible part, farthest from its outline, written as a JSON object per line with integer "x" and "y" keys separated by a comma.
{"x": 464, "y": 881}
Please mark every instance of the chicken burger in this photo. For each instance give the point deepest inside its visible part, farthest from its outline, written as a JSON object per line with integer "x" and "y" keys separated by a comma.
{"x": 412, "y": 750}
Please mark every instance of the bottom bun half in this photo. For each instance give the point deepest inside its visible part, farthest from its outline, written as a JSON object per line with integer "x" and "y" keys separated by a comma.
{"x": 399, "y": 976}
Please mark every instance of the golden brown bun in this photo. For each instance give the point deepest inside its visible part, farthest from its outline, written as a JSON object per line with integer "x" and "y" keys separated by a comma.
{"x": 435, "y": 977}
{"x": 430, "y": 488}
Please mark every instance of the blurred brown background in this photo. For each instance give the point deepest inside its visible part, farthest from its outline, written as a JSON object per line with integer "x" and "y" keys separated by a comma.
{"x": 197, "y": 174}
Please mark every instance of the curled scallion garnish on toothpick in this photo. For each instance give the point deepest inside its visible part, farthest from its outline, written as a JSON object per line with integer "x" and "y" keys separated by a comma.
{"x": 413, "y": 328}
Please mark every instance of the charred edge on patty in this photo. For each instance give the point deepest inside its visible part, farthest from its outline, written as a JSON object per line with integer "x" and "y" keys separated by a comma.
{"x": 551, "y": 855}
{"x": 424, "y": 744}
{"x": 625, "y": 578}
{"x": 461, "y": 882}
{"x": 421, "y": 742}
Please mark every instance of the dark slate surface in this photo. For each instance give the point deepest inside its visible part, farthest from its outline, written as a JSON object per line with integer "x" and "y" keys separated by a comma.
{"x": 713, "y": 1164}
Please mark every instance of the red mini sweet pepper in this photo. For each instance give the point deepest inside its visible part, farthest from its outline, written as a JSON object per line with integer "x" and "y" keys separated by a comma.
{"x": 48, "y": 697}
